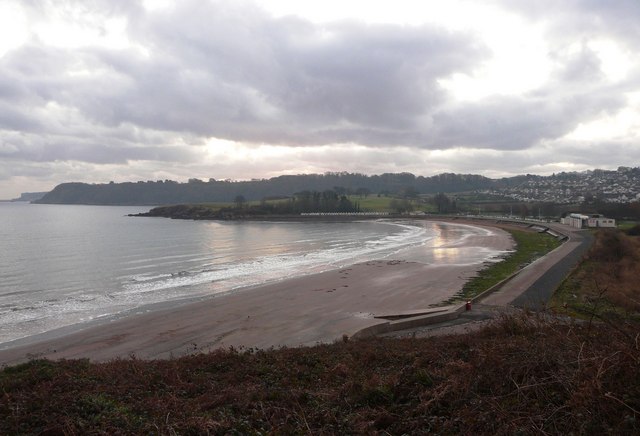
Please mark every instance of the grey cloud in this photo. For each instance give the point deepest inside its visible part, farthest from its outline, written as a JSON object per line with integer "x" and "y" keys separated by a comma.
{"x": 231, "y": 71}
{"x": 239, "y": 74}
{"x": 106, "y": 152}
{"x": 15, "y": 119}
{"x": 100, "y": 149}
{"x": 234, "y": 72}
{"x": 576, "y": 92}
{"x": 582, "y": 19}
{"x": 607, "y": 153}
{"x": 9, "y": 169}
{"x": 516, "y": 123}
{"x": 582, "y": 66}
{"x": 382, "y": 76}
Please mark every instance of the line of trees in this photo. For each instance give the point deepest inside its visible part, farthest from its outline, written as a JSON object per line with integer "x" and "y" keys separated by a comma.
{"x": 301, "y": 202}
{"x": 325, "y": 201}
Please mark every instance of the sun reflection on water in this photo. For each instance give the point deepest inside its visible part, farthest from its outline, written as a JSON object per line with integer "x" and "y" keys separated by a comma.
{"x": 441, "y": 249}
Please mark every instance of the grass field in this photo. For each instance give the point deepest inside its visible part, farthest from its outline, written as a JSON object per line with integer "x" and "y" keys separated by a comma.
{"x": 373, "y": 203}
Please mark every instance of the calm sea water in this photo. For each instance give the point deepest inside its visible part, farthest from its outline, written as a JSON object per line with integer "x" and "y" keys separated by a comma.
{"x": 65, "y": 265}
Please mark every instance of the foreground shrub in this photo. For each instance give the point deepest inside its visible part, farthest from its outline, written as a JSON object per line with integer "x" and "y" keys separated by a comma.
{"x": 520, "y": 375}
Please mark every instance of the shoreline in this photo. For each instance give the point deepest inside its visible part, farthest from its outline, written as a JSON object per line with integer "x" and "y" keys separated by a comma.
{"x": 299, "y": 311}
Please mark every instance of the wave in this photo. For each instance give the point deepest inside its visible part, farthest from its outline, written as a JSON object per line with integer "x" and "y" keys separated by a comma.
{"x": 138, "y": 275}
{"x": 269, "y": 268}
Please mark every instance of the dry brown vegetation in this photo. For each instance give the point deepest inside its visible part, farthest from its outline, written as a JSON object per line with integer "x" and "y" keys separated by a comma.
{"x": 521, "y": 375}
{"x": 615, "y": 267}
{"x": 607, "y": 283}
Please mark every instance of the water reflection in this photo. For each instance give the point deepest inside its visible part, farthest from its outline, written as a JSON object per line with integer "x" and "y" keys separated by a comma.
{"x": 453, "y": 244}
{"x": 445, "y": 235}
{"x": 446, "y": 255}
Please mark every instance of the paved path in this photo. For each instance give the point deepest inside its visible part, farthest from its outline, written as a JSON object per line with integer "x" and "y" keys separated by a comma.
{"x": 467, "y": 322}
{"x": 535, "y": 284}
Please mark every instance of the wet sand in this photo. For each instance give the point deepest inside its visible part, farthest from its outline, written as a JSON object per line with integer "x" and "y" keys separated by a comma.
{"x": 307, "y": 310}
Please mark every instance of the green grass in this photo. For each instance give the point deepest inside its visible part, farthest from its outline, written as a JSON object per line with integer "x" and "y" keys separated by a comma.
{"x": 372, "y": 203}
{"x": 626, "y": 225}
{"x": 529, "y": 247}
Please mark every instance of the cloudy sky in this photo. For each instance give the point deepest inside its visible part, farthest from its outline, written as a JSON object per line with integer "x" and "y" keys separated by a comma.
{"x": 130, "y": 90}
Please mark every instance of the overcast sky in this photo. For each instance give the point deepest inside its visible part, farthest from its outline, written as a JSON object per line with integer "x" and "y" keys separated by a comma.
{"x": 128, "y": 90}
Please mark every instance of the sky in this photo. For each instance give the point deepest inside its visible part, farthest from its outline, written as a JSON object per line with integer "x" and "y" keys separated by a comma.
{"x": 127, "y": 90}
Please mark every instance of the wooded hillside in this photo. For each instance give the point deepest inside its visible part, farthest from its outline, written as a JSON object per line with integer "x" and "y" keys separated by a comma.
{"x": 198, "y": 191}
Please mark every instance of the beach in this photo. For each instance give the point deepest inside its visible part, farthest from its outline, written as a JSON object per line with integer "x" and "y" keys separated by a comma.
{"x": 301, "y": 311}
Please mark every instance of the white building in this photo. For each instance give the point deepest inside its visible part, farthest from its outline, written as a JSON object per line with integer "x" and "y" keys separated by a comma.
{"x": 600, "y": 221}
{"x": 576, "y": 220}
{"x": 581, "y": 221}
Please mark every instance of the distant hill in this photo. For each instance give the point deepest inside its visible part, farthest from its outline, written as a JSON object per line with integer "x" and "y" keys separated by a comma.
{"x": 30, "y": 196}
{"x": 611, "y": 186}
{"x": 198, "y": 191}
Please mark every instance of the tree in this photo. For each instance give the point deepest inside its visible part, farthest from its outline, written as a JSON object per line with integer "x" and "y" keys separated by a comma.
{"x": 340, "y": 190}
{"x": 410, "y": 192}
{"x": 442, "y": 202}
{"x": 345, "y": 205}
{"x": 329, "y": 201}
{"x": 363, "y": 192}
{"x": 400, "y": 206}
{"x": 239, "y": 201}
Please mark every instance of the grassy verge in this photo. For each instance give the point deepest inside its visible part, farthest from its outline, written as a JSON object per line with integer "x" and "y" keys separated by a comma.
{"x": 626, "y": 225}
{"x": 529, "y": 247}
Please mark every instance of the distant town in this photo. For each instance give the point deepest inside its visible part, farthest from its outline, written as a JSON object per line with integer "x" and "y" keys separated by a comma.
{"x": 619, "y": 186}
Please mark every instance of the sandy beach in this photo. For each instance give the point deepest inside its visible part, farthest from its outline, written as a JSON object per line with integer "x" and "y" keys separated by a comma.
{"x": 306, "y": 310}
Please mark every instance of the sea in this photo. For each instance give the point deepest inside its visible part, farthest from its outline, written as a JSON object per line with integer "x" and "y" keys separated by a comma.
{"x": 62, "y": 266}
